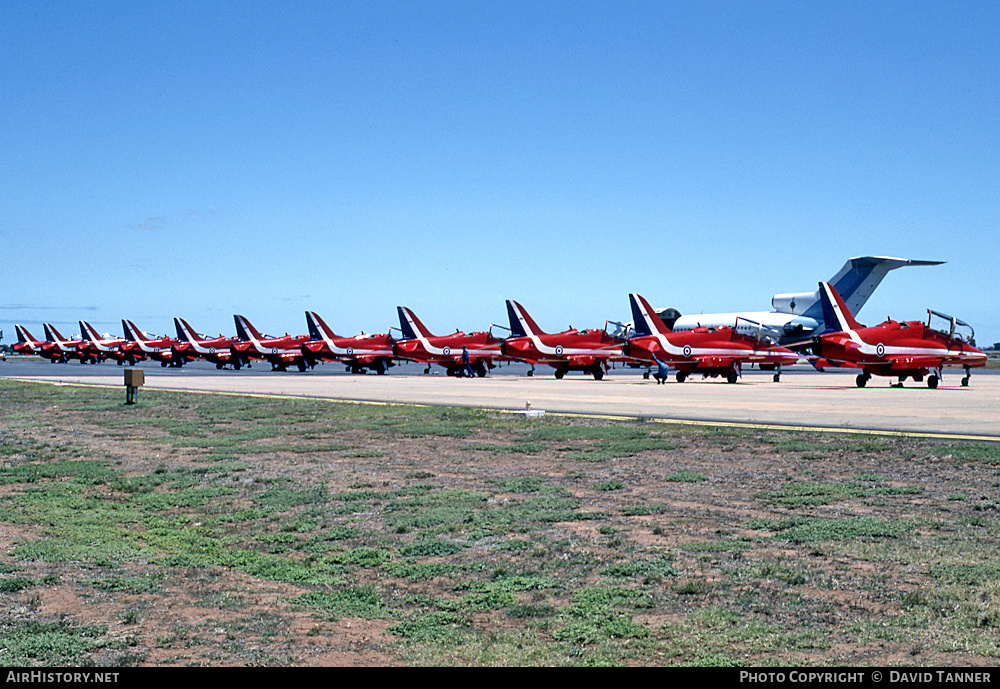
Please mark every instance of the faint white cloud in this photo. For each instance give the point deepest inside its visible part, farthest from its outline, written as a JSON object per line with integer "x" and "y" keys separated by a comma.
{"x": 149, "y": 225}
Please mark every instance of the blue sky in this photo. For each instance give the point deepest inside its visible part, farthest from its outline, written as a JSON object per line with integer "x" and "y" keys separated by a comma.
{"x": 200, "y": 159}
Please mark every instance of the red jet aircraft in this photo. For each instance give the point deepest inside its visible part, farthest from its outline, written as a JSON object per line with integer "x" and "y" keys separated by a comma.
{"x": 57, "y": 351}
{"x": 190, "y": 346}
{"x": 571, "y": 350}
{"x": 418, "y": 344}
{"x": 281, "y": 352}
{"x": 358, "y": 353}
{"x": 57, "y": 348}
{"x": 138, "y": 346}
{"x": 97, "y": 348}
{"x": 908, "y": 349}
{"x": 26, "y": 342}
{"x": 711, "y": 351}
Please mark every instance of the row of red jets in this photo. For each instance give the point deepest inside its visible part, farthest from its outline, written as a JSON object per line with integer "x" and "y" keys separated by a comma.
{"x": 909, "y": 349}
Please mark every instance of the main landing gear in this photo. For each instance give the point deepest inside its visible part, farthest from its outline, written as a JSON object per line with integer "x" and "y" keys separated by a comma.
{"x": 932, "y": 380}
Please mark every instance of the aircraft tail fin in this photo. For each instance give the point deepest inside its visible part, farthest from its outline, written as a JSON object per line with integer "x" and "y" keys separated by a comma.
{"x": 132, "y": 332}
{"x": 646, "y": 320}
{"x": 87, "y": 332}
{"x": 410, "y": 325}
{"x": 521, "y": 324}
{"x": 858, "y": 279}
{"x": 836, "y": 315}
{"x": 51, "y": 334}
{"x": 245, "y": 330}
{"x": 185, "y": 333}
{"x": 23, "y": 335}
{"x": 318, "y": 329}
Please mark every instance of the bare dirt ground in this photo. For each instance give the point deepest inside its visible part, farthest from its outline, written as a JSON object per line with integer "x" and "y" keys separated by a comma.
{"x": 831, "y": 592}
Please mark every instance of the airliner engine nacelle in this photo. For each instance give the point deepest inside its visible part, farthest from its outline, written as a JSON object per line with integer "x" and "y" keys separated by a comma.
{"x": 803, "y": 326}
{"x": 796, "y": 302}
{"x": 669, "y": 317}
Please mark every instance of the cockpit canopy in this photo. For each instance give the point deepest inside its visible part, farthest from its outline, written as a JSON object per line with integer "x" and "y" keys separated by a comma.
{"x": 950, "y": 327}
{"x": 757, "y": 331}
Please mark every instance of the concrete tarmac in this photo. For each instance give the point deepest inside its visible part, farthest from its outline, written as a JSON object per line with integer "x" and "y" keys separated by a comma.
{"x": 802, "y": 399}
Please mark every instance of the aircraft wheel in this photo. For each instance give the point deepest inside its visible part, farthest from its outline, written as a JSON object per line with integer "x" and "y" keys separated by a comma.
{"x": 861, "y": 380}
{"x": 645, "y": 376}
{"x": 681, "y": 376}
{"x": 598, "y": 373}
{"x": 932, "y": 382}
{"x": 731, "y": 378}
{"x": 531, "y": 372}
{"x": 965, "y": 382}
{"x": 777, "y": 377}
{"x": 559, "y": 374}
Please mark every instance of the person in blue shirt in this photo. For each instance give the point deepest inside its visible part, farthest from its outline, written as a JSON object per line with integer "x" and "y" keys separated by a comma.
{"x": 466, "y": 365}
{"x": 661, "y": 371}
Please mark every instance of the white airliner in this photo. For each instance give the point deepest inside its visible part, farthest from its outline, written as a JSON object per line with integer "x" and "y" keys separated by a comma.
{"x": 798, "y": 316}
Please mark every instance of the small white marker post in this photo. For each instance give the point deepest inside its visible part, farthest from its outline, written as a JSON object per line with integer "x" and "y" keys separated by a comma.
{"x": 528, "y": 411}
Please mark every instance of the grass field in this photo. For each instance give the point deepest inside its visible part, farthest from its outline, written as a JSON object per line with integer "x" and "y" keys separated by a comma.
{"x": 221, "y": 530}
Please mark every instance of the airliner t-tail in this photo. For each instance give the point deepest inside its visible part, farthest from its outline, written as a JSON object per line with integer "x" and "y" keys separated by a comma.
{"x": 797, "y": 317}
{"x": 191, "y": 346}
{"x": 589, "y": 351}
{"x": 709, "y": 350}
{"x": 418, "y": 344}
{"x": 909, "y": 349}
{"x": 358, "y": 353}
{"x": 280, "y": 352}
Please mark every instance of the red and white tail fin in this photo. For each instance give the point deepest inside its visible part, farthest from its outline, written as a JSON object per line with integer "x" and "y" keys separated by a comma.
{"x": 185, "y": 333}
{"x": 132, "y": 332}
{"x": 410, "y": 325}
{"x": 521, "y": 324}
{"x": 318, "y": 329}
{"x": 836, "y": 316}
{"x": 52, "y": 334}
{"x": 245, "y": 330}
{"x": 645, "y": 319}
{"x": 87, "y": 332}
{"x": 24, "y": 336}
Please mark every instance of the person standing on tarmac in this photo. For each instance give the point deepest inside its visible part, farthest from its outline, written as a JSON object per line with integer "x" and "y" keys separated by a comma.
{"x": 466, "y": 365}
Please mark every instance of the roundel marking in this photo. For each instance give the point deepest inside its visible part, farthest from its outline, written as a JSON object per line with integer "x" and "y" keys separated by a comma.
{"x": 350, "y": 351}
{"x": 447, "y": 351}
{"x": 687, "y": 350}
{"x": 274, "y": 350}
{"x": 211, "y": 350}
{"x": 880, "y": 349}
{"x": 559, "y": 350}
